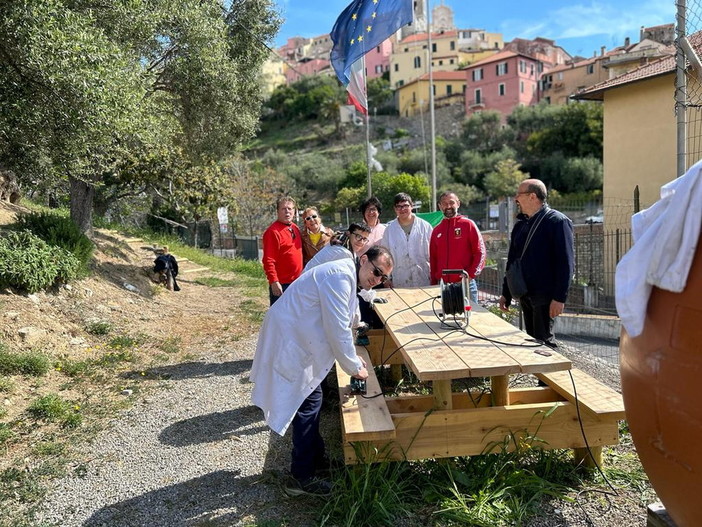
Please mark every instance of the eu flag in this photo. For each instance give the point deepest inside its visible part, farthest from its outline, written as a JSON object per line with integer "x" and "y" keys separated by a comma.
{"x": 363, "y": 25}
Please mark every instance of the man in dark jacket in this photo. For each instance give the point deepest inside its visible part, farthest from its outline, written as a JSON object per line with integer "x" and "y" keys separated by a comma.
{"x": 547, "y": 263}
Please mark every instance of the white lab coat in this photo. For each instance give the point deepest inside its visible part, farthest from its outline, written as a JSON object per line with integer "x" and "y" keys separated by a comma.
{"x": 411, "y": 254}
{"x": 665, "y": 240}
{"x": 303, "y": 333}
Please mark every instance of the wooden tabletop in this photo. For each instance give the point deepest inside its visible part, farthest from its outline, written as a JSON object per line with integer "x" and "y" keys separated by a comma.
{"x": 434, "y": 352}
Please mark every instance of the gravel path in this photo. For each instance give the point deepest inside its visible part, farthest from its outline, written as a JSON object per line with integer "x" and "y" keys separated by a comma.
{"x": 192, "y": 452}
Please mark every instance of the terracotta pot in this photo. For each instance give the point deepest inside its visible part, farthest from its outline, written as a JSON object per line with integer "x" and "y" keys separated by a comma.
{"x": 662, "y": 387}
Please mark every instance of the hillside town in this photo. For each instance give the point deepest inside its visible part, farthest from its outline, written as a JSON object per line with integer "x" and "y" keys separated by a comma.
{"x": 472, "y": 67}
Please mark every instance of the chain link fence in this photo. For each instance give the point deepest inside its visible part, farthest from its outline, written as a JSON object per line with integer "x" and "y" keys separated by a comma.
{"x": 688, "y": 93}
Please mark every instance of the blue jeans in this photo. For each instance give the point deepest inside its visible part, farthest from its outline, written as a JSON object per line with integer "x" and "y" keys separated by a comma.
{"x": 308, "y": 445}
{"x": 473, "y": 286}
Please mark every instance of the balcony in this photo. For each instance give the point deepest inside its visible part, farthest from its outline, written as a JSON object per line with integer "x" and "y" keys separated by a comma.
{"x": 477, "y": 105}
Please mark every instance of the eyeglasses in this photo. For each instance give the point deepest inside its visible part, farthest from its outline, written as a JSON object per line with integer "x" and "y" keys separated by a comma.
{"x": 402, "y": 206}
{"x": 360, "y": 238}
{"x": 379, "y": 274}
{"x": 526, "y": 192}
{"x": 311, "y": 217}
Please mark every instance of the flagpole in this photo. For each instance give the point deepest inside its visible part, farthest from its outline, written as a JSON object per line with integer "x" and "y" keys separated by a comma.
{"x": 431, "y": 113}
{"x": 368, "y": 152}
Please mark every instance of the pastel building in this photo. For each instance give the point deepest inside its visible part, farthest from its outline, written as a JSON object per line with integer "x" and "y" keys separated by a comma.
{"x": 378, "y": 60}
{"x": 502, "y": 82}
{"x": 449, "y": 88}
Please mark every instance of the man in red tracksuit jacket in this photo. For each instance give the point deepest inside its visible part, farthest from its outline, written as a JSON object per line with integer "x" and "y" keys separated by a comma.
{"x": 282, "y": 249}
{"x": 456, "y": 243}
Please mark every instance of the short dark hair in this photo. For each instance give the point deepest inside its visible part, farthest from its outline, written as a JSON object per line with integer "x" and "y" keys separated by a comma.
{"x": 447, "y": 193}
{"x": 377, "y": 251}
{"x": 363, "y": 227}
{"x": 370, "y": 202}
{"x": 402, "y": 196}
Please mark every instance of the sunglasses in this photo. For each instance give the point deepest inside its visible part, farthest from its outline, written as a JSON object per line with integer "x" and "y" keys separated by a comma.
{"x": 311, "y": 217}
{"x": 379, "y": 274}
{"x": 360, "y": 238}
{"x": 292, "y": 232}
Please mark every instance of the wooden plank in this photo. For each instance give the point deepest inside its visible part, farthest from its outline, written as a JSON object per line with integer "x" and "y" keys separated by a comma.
{"x": 424, "y": 403}
{"x": 195, "y": 270}
{"x": 364, "y": 418}
{"x": 382, "y": 348}
{"x": 530, "y": 356}
{"x": 594, "y": 397}
{"x": 450, "y": 433}
{"x": 424, "y": 351}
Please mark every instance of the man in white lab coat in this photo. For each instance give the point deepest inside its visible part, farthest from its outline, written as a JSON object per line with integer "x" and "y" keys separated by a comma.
{"x": 302, "y": 335}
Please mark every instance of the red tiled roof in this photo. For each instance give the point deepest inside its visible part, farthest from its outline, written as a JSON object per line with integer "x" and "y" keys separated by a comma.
{"x": 502, "y": 55}
{"x": 647, "y": 71}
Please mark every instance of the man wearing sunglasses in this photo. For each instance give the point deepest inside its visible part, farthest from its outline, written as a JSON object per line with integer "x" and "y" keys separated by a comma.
{"x": 282, "y": 249}
{"x": 302, "y": 335}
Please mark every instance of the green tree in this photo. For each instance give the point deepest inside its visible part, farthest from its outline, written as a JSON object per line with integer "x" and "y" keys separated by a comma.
{"x": 84, "y": 85}
{"x": 503, "y": 181}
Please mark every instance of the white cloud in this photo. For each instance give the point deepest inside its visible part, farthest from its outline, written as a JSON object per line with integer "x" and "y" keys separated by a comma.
{"x": 612, "y": 21}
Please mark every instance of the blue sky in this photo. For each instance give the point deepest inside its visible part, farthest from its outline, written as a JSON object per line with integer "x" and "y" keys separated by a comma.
{"x": 579, "y": 27}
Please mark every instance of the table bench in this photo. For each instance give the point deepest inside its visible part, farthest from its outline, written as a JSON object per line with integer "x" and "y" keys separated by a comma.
{"x": 447, "y": 423}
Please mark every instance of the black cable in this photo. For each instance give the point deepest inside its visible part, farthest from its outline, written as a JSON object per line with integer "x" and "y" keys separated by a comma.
{"x": 582, "y": 430}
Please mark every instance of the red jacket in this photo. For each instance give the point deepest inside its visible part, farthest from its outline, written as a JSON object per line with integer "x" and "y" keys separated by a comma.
{"x": 456, "y": 243}
{"x": 282, "y": 252}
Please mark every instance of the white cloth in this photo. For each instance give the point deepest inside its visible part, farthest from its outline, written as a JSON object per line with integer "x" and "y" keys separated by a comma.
{"x": 411, "y": 254}
{"x": 306, "y": 329}
{"x": 665, "y": 240}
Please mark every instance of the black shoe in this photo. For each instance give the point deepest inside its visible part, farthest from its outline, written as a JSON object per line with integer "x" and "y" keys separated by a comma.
{"x": 309, "y": 486}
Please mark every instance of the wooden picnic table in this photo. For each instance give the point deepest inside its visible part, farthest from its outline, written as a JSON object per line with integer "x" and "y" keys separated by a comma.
{"x": 456, "y": 422}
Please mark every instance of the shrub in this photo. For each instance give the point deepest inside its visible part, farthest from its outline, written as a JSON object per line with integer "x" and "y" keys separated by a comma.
{"x": 53, "y": 408}
{"x": 29, "y": 363}
{"x": 61, "y": 232}
{"x": 28, "y": 263}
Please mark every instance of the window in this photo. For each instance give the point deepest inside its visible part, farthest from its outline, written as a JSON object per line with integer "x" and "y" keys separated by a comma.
{"x": 379, "y": 68}
{"x": 449, "y": 89}
{"x": 433, "y": 47}
{"x": 560, "y": 76}
{"x": 414, "y": 96}
{"x": 521, "y": 86}
{"x": 417, "y": 62}
{"x": 406, "y": 50}
{"x": 463, "y": 89}
{"x": 478, "y": 74}
{"x": 478, "y": 96}
{"x": 532, "y": 69}
{"x": 452, "y": 45}
{"x": 400, "y": 83}
{"x": 451, "y": 61}
{"x": 441, "y": 63}
{"x": 433, "y": 89}
{"x": 590, "y": 69}
{"x": 522, "y": 66}
{"x": 397, "y": 67}
{"x": 377, "y": 49}
{"x": 501, "y": 89}
{"x": 501, "y": 68}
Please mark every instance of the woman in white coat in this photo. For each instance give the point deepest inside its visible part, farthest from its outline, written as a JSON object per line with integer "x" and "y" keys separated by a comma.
{"x": 407, "y": 237}
{"x": 302, "y": 335}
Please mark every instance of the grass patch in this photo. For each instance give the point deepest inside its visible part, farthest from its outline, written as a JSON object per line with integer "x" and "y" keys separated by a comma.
{"x": 253, "y": 310}
{"x": 98, "y": 327}
{"x": 211, "y": 281}
{"x": 28, "y": 363}
{"x": 49, "y": 448}
{"x": 75, "y": 368}
{"x": 54, "y": 409}
{"x": 6, "y": 385}
{"x": 125, "y": 341}
{"x": 171, "y": 345}
{"x": 5, "y": 433}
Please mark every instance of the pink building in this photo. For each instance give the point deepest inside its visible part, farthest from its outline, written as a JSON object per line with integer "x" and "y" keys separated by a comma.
{"x": 502, "y": 82}
{"x": 307, "y": 67}
{"x": 378, "y": 60}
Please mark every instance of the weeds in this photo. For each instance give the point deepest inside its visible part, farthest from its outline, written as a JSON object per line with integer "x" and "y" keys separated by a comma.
{"x": 5, "y": 433}
{"x": 98, "y": 327}
{"x": 29, "y": 363}
{"x": 171, "y": 345}
{"x": 53, "y": 408}
{"x": 253, "y": 309}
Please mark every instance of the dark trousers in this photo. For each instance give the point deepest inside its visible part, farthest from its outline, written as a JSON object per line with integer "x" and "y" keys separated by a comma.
{"x": 272, "y": 297}
{"x": 308, "y": 445}
{"x": 537, "y": 321}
